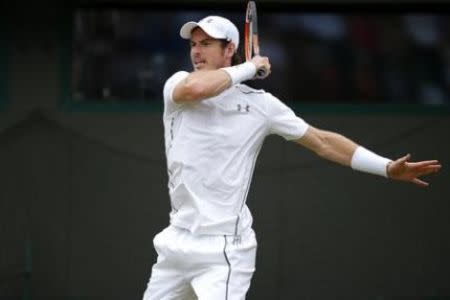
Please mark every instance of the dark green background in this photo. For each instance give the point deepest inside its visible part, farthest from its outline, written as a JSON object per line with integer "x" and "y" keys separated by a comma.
{"x": 83, "y": 192}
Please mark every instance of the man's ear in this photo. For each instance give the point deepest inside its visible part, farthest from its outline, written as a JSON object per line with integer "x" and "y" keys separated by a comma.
{"x": 231, "y": 48}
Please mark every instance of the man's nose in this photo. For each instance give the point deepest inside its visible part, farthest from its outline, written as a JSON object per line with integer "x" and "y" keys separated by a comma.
{"x": 195, "y": 49}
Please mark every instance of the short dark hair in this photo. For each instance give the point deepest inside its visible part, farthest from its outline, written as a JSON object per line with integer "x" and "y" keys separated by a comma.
{"x": 237, "y": 58}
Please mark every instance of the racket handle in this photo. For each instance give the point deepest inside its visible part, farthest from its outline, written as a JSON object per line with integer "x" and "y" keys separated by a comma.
{"x": 261, "y": 73}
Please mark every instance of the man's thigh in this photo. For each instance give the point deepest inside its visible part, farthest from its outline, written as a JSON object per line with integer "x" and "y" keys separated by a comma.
{"x": 167, "y": 284}
{"x": 231, "y": 279}
{"x": 168, "y": 278}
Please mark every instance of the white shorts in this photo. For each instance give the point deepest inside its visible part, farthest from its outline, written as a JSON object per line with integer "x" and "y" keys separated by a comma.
{"x": 204, "y": 267}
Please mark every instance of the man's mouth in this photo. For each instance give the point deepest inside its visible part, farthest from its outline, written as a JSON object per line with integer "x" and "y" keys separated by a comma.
{"x": 199, "y": 62}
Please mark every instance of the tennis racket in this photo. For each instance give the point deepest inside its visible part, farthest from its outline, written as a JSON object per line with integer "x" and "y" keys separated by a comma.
{"x": 251, "y": 41}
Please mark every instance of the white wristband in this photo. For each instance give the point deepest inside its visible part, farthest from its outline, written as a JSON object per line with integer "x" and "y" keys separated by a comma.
{"x": 366, "y": 161}
{"x": 241, "y": 72}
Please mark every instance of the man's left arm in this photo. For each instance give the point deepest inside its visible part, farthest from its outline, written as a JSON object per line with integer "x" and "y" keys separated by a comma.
{"x": 337, "y": 148}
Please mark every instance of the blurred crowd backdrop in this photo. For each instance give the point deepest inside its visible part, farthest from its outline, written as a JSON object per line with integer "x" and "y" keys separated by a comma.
{"x": 126, "y": 55}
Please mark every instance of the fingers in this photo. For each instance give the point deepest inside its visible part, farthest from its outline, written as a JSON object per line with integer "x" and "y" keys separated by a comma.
{"x": 425, "y": 163}
{"x": 419, "y": 182}
{"x": 410, "y": 171}
{"x": 429, "y": 168}
{"x": 425, "y": 167}
{"x": 404, "y": 158}
{"x": 427, "y": 172}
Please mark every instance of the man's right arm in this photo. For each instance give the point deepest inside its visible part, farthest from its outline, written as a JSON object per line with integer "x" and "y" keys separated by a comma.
{"x": 200, "y": 85}
{"x": 203, "y": 84}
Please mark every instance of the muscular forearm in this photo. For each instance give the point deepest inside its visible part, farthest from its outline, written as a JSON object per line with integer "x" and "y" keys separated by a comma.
{"x": 329, "y": 145}
{"x": 337, "y": 148}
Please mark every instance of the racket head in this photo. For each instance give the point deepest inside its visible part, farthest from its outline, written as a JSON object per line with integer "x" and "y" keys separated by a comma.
{"x": 250, "y": 17}
{"x": 251, "y": 41}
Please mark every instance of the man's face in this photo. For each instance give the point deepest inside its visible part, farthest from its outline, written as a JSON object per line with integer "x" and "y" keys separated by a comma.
{"x": 208, "y": 53}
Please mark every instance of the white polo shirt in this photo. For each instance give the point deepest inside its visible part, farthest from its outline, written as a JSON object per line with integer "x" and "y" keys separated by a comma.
{"x": 211, "y": 149}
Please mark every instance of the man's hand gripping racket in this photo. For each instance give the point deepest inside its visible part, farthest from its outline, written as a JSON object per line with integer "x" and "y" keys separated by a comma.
{"x": 252, "y": 43}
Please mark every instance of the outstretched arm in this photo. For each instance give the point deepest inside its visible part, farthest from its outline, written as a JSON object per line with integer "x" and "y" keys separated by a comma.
{"x": 337, "y": 148}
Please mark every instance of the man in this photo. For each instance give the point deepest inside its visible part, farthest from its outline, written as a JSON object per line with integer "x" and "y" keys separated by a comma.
{"x": 214, "y": 129}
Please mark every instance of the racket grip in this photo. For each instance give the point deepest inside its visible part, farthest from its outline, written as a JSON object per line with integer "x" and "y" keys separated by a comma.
{"x": 261, "y": 73}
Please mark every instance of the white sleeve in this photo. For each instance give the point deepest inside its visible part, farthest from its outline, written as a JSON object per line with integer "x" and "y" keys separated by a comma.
{"x": 169, "y": 86}
{"x": 283, "y": 121}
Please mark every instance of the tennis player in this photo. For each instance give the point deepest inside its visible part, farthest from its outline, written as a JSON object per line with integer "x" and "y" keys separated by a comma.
{"x": 214, "y": 128}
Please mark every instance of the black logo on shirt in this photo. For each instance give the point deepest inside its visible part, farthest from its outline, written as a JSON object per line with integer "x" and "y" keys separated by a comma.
{"x": 243, "y": 108}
